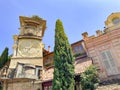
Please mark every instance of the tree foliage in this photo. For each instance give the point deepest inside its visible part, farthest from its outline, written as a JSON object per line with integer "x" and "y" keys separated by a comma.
{"x": 36, "y": 17}
{"x": 4, "y": 57}
{"x": 63, "y": 61}
{"x": 89, "y": 79}
{"x": 1, "y": 88}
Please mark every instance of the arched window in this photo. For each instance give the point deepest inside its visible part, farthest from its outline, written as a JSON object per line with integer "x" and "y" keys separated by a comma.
{"x": 116, "y": 20}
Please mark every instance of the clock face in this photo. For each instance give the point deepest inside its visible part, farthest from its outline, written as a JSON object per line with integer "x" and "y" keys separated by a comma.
{"x": 29, "y": 48}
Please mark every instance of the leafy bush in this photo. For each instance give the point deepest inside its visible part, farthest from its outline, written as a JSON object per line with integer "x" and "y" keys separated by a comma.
{"x": 36, "y": 17}
{"x": 89, "y": 79}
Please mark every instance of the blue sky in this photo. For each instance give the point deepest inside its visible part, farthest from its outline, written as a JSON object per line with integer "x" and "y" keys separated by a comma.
{"x": 78, "y": 16}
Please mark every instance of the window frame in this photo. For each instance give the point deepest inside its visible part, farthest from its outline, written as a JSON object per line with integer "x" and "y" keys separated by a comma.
{"x": 109, "y": 62}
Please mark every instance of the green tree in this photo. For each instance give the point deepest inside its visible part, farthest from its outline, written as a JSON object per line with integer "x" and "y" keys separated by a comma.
{"x": 36, "y": 17}
{"x": 9, "y": 57}
{"x": 4, "y": 57}
{"x": 63, "y": 61}
{"x": 1, "y": 88}
{"x": 89, "y": 79}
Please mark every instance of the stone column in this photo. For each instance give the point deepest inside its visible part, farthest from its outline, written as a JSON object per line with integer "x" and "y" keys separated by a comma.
{"x": 15, "y": 37}
{"x": 21, "y": 30}
{"x": 85, "y": 35}
{"x": 5, "y": 85}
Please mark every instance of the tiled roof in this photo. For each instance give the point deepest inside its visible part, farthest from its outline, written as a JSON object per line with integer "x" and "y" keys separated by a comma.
{"x": 80, "y": 66}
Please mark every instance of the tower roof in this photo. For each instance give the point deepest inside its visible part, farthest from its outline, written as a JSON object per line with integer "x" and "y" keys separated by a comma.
{"x": 33, "y": 21}
{"x": 111, "y": 17}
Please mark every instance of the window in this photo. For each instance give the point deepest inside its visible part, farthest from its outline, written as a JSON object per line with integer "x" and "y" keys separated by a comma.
{"x": 47, "y": 62}
{"x": 78, "y": 49}
{"x": 116, "y": 20}
{"x": 81, "y": 49}
{"x": 38, "y": 72}
{"x": 109, "y": 63}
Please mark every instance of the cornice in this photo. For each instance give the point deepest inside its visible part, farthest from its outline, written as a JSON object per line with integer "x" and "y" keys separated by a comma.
{"x": 102, "y": 39}
{"x": 30, "y": 58}
{"x": 29, "y": 37}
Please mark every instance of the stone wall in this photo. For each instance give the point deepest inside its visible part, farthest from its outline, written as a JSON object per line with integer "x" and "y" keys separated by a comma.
{"x": 109, "y": 41}
{"x": 23, "y": 86}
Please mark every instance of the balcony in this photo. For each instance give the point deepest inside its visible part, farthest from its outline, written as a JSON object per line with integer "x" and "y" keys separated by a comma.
{"x": 27, "y": 75}
{"x": 80, "y": 55}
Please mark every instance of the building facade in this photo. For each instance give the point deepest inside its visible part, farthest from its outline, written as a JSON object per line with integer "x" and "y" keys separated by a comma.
{"x": 82, "y": 61}
{"x": 26, "y": 65}
{"x": 104, "y": 48}
{"x": 32, "y": 67}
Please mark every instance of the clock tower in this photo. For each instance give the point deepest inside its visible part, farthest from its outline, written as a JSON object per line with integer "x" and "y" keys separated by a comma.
{"x": 28, "y": 46}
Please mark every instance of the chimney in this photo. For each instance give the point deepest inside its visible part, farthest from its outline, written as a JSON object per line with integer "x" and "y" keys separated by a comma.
{"x": 98, "y": 32}
{"x": 48, "y": 48}
{"x": 85, "y": 35}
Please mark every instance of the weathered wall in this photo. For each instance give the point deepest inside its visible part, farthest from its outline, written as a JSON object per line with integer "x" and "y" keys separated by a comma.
{"x": 109, "y": 41}
{"x": 23, "y": 86}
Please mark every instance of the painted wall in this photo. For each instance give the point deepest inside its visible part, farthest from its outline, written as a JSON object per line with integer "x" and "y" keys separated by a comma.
{"x": 105, "y": 50}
